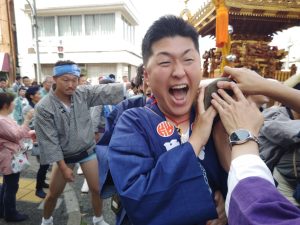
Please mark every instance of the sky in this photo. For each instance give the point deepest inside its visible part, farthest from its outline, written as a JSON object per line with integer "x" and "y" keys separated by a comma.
{"x": 150, "y": 10}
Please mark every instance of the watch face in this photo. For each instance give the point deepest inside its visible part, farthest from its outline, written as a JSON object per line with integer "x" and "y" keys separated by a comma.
{"x": 239, "y": 135}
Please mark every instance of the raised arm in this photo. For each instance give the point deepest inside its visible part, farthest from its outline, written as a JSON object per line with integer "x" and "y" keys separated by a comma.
{"x": 252, "y": 83}
{"x": 250, "y": 182}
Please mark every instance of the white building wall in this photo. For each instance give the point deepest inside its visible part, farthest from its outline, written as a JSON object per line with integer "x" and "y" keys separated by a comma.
{"x": 24, "y": 40}
{"x": 96, "y": 52}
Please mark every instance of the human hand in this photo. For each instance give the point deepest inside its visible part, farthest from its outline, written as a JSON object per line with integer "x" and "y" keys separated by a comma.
{"x": 247, "y": 80}
{"x": 29, "y": 115}
{"x": 32, "y": 135}
{"x": 203, "y": 124}
{"x": 238, "y": 113}
{"x": 68, "y": 174}
{"x": 222, "y": 219}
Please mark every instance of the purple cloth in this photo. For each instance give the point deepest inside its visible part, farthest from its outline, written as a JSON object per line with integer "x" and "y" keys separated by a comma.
{"x": 256, "y": 201}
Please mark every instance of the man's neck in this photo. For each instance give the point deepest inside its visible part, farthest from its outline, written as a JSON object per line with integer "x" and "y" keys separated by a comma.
{"x": 66, "y": 99}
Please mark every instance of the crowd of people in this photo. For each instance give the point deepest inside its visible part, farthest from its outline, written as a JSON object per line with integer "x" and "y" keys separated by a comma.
{"x": 161, "y": 154}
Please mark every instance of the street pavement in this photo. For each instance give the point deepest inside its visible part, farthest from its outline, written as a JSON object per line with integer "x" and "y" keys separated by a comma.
{"x": 73, "y": 207}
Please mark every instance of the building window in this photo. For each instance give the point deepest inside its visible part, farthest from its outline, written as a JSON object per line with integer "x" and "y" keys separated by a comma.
{"x": 128, "y": 31}
{"x": 46, "y": 26}
{"x": 99, "y": 24}
{"x": 69, "y": 25}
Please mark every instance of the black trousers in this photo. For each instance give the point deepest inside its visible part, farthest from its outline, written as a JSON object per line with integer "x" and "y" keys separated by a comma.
{"x": 41, "y": 176}
{"x": 8, "y": 194}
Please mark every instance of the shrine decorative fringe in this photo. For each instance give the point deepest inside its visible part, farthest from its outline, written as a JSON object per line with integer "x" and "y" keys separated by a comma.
{"x": 222, "y": 20}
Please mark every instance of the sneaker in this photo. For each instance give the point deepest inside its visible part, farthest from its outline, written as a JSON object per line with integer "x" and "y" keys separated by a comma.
{"x": 100, "y": 222}
{"x": 18, "y": 217}
{"x": 48, "y": 221}
{"x": 85, "y": 187}
{"x": 40, "y": 193}
{"x": 79, "y": 171}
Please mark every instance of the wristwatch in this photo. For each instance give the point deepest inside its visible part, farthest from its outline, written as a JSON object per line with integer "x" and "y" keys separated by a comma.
{"x": 241, "y": 136}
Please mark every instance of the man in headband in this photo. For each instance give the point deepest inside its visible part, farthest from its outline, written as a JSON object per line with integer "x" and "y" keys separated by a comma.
{"x": 65, "y": 135}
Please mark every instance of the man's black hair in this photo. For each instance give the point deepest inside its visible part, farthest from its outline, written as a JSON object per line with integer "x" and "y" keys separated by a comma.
{"x": 112, "y": 76}
{"x": 297, "y": 86}
{"x": 32, "y": 90}
{"x": 3, "y": 79}
{"x": 167, "y": 26}
{"x": 64, "y": 62}
{"x": 25, "y": 77}
{"x": 139, "y": 75}
{"x": 18, "y": 77}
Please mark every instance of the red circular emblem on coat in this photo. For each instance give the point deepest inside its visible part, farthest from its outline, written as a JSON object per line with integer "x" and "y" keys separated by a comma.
{"x": 165, "y": 129}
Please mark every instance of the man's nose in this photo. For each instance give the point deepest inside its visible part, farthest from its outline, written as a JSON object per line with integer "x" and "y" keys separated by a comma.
{"x": 178, "y": 70}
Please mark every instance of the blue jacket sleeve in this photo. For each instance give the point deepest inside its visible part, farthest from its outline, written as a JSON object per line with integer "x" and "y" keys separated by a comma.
{"x": 157, "y": 186}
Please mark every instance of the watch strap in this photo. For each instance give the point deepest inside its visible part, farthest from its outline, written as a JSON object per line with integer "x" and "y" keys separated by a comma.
{"x": 250, "y": 137}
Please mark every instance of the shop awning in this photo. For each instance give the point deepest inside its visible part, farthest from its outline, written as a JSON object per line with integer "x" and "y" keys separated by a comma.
{"x": 4, "y": 62}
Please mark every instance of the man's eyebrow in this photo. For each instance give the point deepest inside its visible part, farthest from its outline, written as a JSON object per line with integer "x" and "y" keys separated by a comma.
{"x": 186, "y": 51}
{"x": 169, "y": 54}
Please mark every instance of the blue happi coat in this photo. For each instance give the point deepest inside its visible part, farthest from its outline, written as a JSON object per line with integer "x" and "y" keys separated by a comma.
{"x": 107, "y": 188}
{"x": 160, "y": 180}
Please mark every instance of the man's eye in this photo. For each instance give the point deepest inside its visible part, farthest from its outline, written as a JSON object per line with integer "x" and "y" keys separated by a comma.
{"x": 189, "y": 60}
{"x": 164, "y": 63}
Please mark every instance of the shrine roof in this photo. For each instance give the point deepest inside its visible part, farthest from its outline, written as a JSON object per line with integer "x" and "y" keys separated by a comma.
{"x": 257, "y": 17}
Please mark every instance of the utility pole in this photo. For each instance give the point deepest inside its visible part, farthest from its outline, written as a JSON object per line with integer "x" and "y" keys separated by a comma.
{"x": 36, "y": 35}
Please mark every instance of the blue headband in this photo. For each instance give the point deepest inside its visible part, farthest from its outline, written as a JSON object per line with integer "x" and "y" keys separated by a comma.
{"x": 66, "y": 69}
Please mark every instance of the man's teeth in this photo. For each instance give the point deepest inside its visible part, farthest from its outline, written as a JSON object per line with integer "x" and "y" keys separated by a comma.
{"x": 179, "y": 86}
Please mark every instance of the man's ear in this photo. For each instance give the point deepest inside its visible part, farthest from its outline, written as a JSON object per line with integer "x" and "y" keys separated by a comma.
{"x": 146, "y": 77}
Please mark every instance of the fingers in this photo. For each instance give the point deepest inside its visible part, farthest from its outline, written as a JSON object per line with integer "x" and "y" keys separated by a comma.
{"x": 217, "y": 196}
{"x": 200, "y": 100}
{"x": 225, "y": 96}
{"x": 233, "y": 86}
{"x": 237, "y": 92}
{"x": 212, "y": 112}
{"x": 229, "y": 71}
{"x": 220, "y": 209}
{"x": 201, "y": 95}
{"x": 224, "y": 84}
{"x": 209, "y": 222}
{"x": 223, "y": 104}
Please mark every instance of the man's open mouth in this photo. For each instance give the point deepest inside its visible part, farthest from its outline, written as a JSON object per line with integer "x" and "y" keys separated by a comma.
{"x": 179, "y": 91}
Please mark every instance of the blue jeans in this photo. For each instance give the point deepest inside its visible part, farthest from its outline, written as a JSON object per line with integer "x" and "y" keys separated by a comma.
{"x": 8, "y": 194}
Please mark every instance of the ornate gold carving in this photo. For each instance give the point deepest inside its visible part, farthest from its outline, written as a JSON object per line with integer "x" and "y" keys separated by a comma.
{"x": 273, "y": 5}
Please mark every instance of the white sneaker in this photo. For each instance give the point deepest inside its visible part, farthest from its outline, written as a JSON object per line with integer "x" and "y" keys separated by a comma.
{"x": 85, "y": 187}
{"x": 79, "y": 170}
{"x": 47, "y": 221}
{"x": 100, "y": 222}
